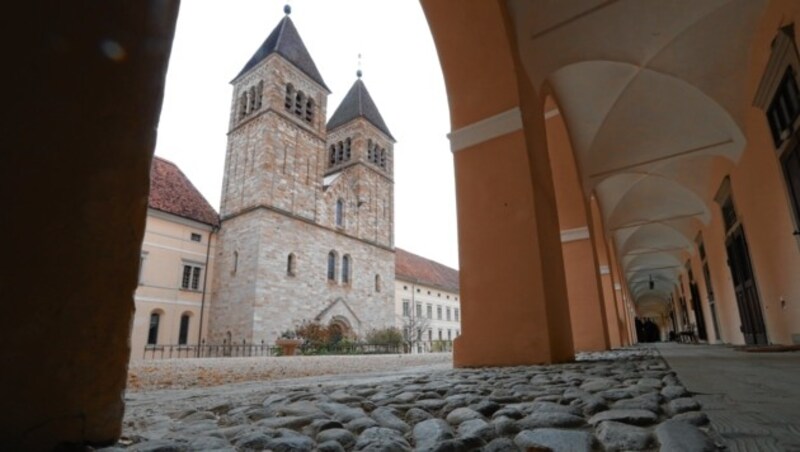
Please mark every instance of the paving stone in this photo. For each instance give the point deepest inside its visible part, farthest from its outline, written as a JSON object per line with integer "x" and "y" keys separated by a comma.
{"x": 294, "y": 443}
{"x": 501, "y": 445}
{"x": 554, "y": 440}
{"x": 671, "y": 392}
{"x": 619, "y": 436}
{"x": 636, "y": 417}
{"x": 159, "y": 445}
{"x": 618, "y": 394}
{"x": 341, "y": 412}
{"x": 416, "y": 415}
{"x": 427, "y": 434}
{"x": 330, "y": 446}
{"x": 460, "y": 415}
{"x": 647, "y": 402}
{"x": 430, "y": 404}
{"x": 382, "y": 439}
{"x": 679, "y": 436}
{"x": 209, "y": 443}
{"x": 385, "y": 417}
{"x": 340, "y": 435}
{"x": 504, "y": 426}
{"x": 318, "y": 425}
{"x": 551, "y": 407}
{"x": 599, "y": 384}
{"x": 682, "y": 405}
{"x": 509, "y": 412}
{"x": 295, "y": 422}
{"x": 554, "y": 419}
{"x": 359, "y": 425}
{"x": 459, "y": 445}
{"x": 477, "y": 428}
{"x": 697, "y": 418}
{"x": 253, "y": 441}
{"x": 486, "y": 407}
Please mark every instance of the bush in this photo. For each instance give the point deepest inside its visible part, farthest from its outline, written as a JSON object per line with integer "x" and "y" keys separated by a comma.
{"x": 385, "y": 336}
{"x": 314, "y": 334}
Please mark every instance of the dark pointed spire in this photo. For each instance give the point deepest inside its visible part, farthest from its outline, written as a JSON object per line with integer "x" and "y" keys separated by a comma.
{"x": 285, "y": 41}
{"x": 358, "y": 103}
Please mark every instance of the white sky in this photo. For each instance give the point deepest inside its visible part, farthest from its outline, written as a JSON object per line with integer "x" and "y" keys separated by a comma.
{"x": 213, "y": 41}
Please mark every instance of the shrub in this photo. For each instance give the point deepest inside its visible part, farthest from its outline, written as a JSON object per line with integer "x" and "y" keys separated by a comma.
{"x": 314, "y": 334}
{"x": 385, "y": 336}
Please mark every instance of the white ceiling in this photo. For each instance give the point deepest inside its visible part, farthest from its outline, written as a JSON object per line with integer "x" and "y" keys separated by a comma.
{"x": 652, "y": 93}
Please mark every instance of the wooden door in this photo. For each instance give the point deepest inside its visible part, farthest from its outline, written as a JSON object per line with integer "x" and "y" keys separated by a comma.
{"x": 753, "y": 328}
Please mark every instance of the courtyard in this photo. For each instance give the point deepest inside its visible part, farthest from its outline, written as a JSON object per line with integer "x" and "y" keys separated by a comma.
{"x": 637, "y": 398}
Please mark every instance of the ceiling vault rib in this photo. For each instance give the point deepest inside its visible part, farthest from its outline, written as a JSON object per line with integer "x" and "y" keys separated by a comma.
{"x": 654, "y": 251}
{"x": 569, "y": 20}
{"x": 660, "y": 220}
{"x": 660, "y": 159}
{"x": 649, "y": 269}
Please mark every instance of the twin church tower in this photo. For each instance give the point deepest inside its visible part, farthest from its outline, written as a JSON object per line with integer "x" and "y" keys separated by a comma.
{"x": 307, "y": 210}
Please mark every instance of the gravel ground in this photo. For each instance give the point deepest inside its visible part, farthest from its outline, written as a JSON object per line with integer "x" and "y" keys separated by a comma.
{"x": 204, "y": 372}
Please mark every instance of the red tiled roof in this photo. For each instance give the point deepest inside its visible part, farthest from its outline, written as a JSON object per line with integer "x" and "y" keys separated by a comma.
{"x": 172, "y": 192}
{"x": 413, "y": 268}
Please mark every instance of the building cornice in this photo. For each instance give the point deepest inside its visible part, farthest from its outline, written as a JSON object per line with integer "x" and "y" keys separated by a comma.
{"x": 486, "y": 129}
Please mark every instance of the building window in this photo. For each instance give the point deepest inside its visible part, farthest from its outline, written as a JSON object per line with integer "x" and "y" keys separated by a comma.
{"x": 309, "y": 110}
{"x": 196, "y": 237}
{"x": 332, "y": 266}
{"x": 430, "y": 334}
{"x": 438, "y": 313}
{"x": 339, "y": 213}
{"x": 405, "y": 287}
{"x": 455, "y": 311}
{"x": 449, "y": 335}
{"x": 291, "y": 263}
{"x": 141, "y": 266}
{"x": 784, "y": 108}
{"x": 406, "y": 308}
{"x": 377, "y": 283}
{"x": 440, "y": 334}
{"x": 458, "y": 333}
{"x": 347, "y": 149}
{"x": 152, "y": 334}
{"x": 429, "y": 292}
{"x": 183, "y": 332}
{"x": 429, "y": 312}
{"x": 346, "y": 269}
{"x": 332, "y": 155}
{"x": 191, "y": 277}
{"x": 449, "y": 317}
{"x": 289, "y": 99}
{"x": 419, "y": 310}
{"x": 417, "y": 290}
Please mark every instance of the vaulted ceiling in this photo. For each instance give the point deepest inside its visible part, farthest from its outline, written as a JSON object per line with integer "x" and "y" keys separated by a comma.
{"x": 651, "y": 109}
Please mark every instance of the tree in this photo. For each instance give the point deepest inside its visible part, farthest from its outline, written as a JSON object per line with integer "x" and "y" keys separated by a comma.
{"x": 414, "y": 326}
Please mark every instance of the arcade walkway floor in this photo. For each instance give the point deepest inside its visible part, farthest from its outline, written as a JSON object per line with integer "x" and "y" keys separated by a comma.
{"x": 752, "y": 399}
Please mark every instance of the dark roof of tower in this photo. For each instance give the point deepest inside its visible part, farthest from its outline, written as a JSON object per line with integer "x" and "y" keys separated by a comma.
{"x": 358, "y": 103}
{"x": 172, "y": 192}
{"x": 286, "y": 42}
{"x": 419, "y": 270}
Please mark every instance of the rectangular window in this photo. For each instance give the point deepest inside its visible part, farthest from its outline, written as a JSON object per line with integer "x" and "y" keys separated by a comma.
{"x": 784, "y": 108}
{"x": 191, "y": 277}
{"x": 419, "y": 310}
{"x": 438, "y": 312}
{"x": 456, "y": 314}
{"x": 196, "y": 237}
{"x": 406, "y": 309}
{"x": 430, "y": 311}
{"x": 449, "y": 335}
{"x": 449, "y": 315}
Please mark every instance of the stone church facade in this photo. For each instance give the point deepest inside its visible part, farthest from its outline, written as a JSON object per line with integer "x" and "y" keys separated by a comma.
{"x": 306, "y": 212}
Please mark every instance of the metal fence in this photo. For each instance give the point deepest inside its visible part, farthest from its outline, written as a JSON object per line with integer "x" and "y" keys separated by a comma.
{"x": 243, "y": 349}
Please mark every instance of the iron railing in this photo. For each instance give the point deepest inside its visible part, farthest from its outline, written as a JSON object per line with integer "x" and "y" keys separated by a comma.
{"x": 243, "y": 349}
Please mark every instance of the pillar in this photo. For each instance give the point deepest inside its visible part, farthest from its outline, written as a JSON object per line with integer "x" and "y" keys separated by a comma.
{"x": 83, "y": 106}
{"x": 513, "y": 292}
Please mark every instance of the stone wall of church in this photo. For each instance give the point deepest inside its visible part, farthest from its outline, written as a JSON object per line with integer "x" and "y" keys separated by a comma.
{"x": 368, "y": 190}
{"x": 282, "y": 301}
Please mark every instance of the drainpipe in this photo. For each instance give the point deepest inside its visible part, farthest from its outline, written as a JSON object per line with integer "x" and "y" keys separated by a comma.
{"x": 203, "y": 297}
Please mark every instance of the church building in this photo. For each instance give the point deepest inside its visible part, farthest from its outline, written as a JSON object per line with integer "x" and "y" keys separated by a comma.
{"x": 307, "y": 228}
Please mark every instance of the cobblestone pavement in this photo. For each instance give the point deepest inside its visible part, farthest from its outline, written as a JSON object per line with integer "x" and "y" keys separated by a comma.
{"x": 620, "y": 400}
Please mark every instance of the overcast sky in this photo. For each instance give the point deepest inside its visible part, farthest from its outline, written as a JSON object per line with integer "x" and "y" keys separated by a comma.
{"x": 213, "y": 41}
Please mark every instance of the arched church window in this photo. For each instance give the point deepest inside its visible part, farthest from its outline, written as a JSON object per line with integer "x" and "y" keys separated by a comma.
{"x": 288, "y": 101}
{"x": 383, "y": 158}
{"x": 309, "y": 110}
{"x": 377, "y": 283}
{"x": 252, "y": 99}
{"x": 346, "y": 269}
{"x": 152, "y": 333}
{"x": 291, "y": 263}
{"x": 259, "y": 94}
{"x": 347, "y": 144}
{"x": 340, "y": 213}
{"x": 299, "y": 103}
{"x": 332, "y": 266}
{"x": 369, "y": 150}
{"x": 332, "y": 155}
{"x": 339, "y": 152}
{"x": 243, "y": 105}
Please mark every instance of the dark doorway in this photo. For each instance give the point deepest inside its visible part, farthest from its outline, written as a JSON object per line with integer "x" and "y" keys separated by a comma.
{"x": 698, "y": 311}
{"x": 753, "y": 328}
{"x": 790, "y": 161}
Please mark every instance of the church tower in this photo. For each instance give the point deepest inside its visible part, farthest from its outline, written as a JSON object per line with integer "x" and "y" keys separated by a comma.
{"x": 359, "y": 160}
{"x": 306, "y": 234}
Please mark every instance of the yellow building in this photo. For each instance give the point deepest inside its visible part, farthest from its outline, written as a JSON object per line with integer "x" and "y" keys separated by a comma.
{"x": 172, "y": 299}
